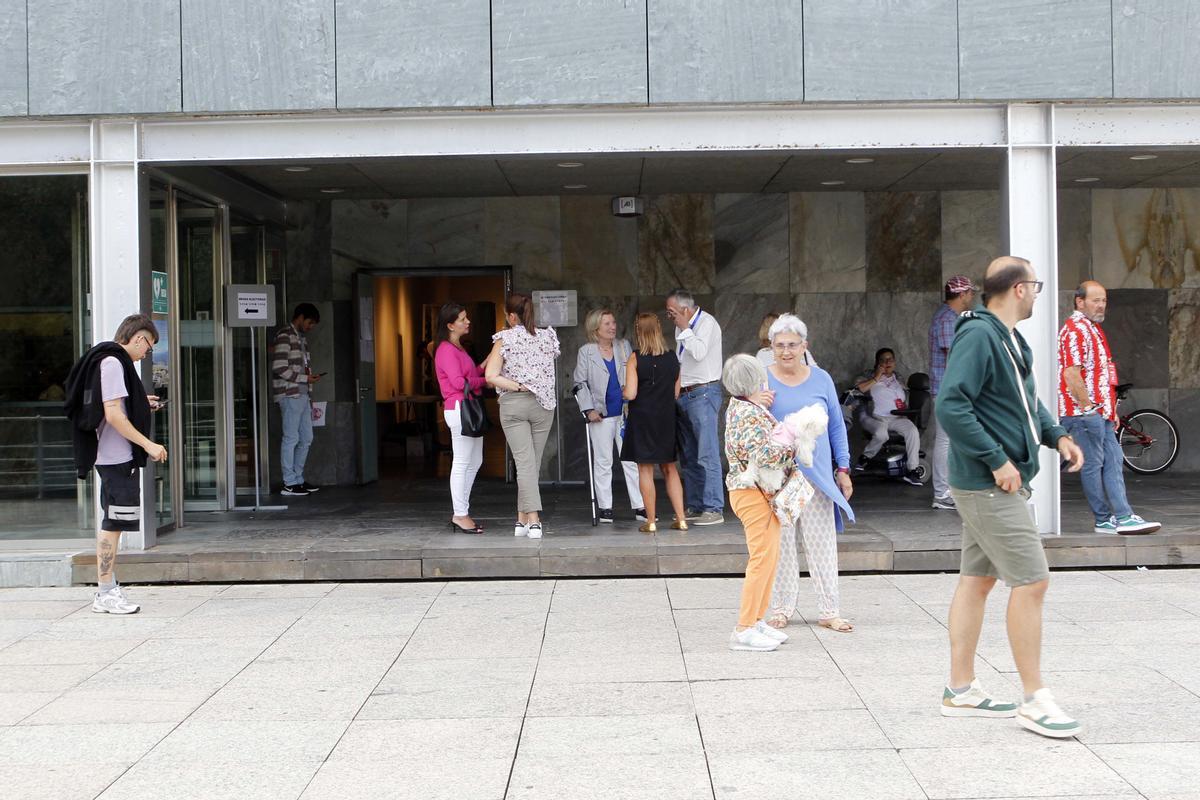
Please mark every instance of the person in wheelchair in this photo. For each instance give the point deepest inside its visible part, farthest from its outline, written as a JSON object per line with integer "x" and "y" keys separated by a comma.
{"x": 888, "y": 417}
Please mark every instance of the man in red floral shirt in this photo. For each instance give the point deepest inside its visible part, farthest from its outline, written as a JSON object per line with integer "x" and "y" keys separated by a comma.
{"x": 1087, "y": 408}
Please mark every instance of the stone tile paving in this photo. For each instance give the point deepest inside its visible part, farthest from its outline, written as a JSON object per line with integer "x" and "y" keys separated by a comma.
{"x": 584, "y": 688}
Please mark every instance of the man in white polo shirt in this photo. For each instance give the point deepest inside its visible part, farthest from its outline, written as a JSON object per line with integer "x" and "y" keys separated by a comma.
{"x": 698, "y": 345}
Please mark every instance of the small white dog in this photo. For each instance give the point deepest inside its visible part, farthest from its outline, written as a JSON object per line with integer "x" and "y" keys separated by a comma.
{"x": 801, "y": 429}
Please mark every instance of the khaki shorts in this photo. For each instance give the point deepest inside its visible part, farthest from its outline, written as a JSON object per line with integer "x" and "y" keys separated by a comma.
{"x": 999, "y": 539}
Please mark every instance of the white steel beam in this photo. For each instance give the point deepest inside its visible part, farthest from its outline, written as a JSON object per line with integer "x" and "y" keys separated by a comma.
{"x": 1031, "y": 231}
{"x": 1124, "y": 126}
{"x": 547, "y": 131}
{"x": 35, "y": 147}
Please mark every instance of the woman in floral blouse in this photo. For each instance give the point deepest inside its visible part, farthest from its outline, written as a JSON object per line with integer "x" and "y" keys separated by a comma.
{"x": 761, "y": 473}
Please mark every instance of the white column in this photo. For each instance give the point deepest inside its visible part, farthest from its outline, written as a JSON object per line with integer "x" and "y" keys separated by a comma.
{"x": 114, "y": 248}
{"x": 1031, "y": 231}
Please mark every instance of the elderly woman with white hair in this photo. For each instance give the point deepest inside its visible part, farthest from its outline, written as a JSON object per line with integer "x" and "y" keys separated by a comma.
{"x": 793, "y": 384}
{"x": 764, "y": 488}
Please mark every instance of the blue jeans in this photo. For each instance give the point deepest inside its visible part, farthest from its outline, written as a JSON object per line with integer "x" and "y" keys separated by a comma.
{"x": 1103, "y": 481}
{"x": 700, "y": 450}
{"x": 297, "y": 436}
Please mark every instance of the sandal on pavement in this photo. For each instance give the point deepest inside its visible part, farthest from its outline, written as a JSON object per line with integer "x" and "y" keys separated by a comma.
{"x": 836, "y": 624}
{"x": 778, "y": 620}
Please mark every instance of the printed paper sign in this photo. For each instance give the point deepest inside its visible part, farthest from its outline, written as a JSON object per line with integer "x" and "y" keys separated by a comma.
{"x": 318, "y": 413}
{"x": 253, "y": 305}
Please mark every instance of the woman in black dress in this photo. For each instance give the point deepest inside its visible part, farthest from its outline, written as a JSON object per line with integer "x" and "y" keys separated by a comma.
{"x": 652, "y": 387}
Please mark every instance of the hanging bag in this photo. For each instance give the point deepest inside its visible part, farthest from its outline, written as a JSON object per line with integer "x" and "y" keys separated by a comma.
{"x": 473, "y": 418}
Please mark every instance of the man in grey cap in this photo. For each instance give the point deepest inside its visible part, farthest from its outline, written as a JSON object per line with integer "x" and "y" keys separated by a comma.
{"x": 960, "y": 297}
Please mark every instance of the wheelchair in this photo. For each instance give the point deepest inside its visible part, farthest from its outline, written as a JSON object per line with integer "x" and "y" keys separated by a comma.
{"x": 891, "y": 461}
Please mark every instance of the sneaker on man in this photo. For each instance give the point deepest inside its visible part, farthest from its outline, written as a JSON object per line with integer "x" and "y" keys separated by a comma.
{"x": 946, "y": 503}
{"x": 975, "y": 702}
{"x": 912, "y": 478}
{"x": 605, "y": 515}
{"x": 692, "y": 514}
{"x": 751, "y": 639}
{"x": 769, "y": 632}
{"x": 534, "y": 530}
{"x": 308, "y": 487}
{"x": 1133, "y": 524}
{"x": 1043, "y": 716}
{"x": 113, "y": 601}
{"x": 708, "y": 518}
{"x": 295, "y": 490}
{"x": 1107, "y": 526}
{"x": 861, "y": 464}
{"x": 640, "y": 515}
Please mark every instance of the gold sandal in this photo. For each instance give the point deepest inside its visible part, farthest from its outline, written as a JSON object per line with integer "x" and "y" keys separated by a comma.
{"x": 679, "y": 524}
{"x": 648, "y": 527}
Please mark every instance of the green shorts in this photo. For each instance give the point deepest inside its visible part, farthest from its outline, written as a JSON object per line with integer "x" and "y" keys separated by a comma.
{"x": 999, "y": 538}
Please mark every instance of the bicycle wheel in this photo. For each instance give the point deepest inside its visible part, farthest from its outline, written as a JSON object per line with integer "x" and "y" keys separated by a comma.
{"x": 1149, "y": 441}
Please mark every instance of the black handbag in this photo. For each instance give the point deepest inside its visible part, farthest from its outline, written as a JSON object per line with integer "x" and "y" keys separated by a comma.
{"x": 471, "y": 416}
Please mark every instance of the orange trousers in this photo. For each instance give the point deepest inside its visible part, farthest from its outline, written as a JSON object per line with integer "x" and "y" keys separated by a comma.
{"x": 762, "y": 540}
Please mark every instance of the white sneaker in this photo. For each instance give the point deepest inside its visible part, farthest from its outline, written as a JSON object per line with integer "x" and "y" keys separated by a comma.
{"x": 975, "y": 702}
{"x": 520, "y": 530}
{"x": 751, "y": 639}
{"x": 1043, "y": 716}
{"x": 771, "y": 633}
{"x": 535, "y": 530}
{"x": 113, "y": 601}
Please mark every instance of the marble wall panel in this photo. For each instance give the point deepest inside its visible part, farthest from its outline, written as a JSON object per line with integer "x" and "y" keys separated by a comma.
{"x": 413, "y": 53}
{"x": 525, "y": 232}
{"x": 241, "y": 55}
{"x": 828, "y": 235}
{"x": 14, "y": 63}
{"x": 741, "y": 316}
{"x": 675, "y": 244}
{"x": 118, "y": 57}
{"x": 309, "y": 250}
{"x": 599, "y": 251}
{"x": 904, "y": 241}
{"x": 1185, "y": 412}
{"x": 728, "y": 51}
{"x": 446, "y": 232}
{"x": 1074, "y": 237}
{"x": 880, "y": 50}
{"x": 1154, "y": 48}
{"x": 750, "y": 233}
{"x": 970, "y": 233}
{"x": 1184, "y": 338}
{"x": 1015, "y": 49}
{"x": 371, "y": 233}
{"x": 581, "y": 51}
{"x": 1137, "y": 324}
{"x": 1146, "y": 238}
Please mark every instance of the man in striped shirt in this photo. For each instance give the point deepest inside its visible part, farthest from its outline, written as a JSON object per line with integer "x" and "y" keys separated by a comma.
{"x": 291, "y": 377}
{"x": 1087, "y": 408}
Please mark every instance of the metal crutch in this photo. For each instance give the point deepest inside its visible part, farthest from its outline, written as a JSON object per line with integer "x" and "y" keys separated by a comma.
{"x": 587, "y": 437}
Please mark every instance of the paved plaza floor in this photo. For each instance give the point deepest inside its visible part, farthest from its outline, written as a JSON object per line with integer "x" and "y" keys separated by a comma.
{"x": 583, "y": 688}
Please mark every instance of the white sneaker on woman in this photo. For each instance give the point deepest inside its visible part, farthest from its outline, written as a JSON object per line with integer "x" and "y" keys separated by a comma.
{"x": 751, "y": 639}
{"x": 534, "y": 530}
{"x": 771, "y": 633}
{"x": 520, "y": 530}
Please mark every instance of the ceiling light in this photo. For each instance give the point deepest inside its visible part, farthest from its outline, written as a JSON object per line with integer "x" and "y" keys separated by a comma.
{"x": 1143, "y": 157}
{"x": 1086, "y": 180}
{"x": 832, "y": 183}
{"x": 332, "y": 190}
{"x": 297, "y": 169}
{"x": 575, "y": 186}
{"x": 863, "y": 160}
{"x": 570, "y": 164}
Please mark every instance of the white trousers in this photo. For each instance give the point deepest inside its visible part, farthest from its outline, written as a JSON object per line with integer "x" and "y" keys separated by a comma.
{"x": 819, "y": 530}
{"x": 880, "y": 427}
{"x": 941, "y": 459}
{"x": 606, "y": 440}
{"x": 468, "y": 456}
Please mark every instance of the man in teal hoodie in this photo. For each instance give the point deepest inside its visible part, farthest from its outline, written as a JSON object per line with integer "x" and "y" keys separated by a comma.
{"x": 988, "y": 406}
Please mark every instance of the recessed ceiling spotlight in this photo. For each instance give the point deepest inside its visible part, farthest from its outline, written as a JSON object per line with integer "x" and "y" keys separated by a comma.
{"x": 332, "y": 190}
{"x": 575, "y": 186}
{"x": 297, "y": 169}
{"x": 863, "y": 160}
{"x": 1143, "y": 157}
{"x": 1086, "y": 180}
{"x": 570, "y": 164}
{"x": 832, "y": 183}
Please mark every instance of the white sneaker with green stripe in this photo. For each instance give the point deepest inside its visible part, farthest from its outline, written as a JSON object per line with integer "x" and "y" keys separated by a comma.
{"x": 975, "y": 702}
{"x": 1043, "y": 716}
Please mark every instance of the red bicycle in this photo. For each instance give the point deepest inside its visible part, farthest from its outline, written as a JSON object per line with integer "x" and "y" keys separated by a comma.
{"x": 1149, "y": 439}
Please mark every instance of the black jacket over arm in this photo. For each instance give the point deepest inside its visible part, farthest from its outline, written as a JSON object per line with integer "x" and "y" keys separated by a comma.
{"x": 85, "y": 404}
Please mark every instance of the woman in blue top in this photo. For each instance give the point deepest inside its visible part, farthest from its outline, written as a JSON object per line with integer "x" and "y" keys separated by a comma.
{"x": 792, "y": 385}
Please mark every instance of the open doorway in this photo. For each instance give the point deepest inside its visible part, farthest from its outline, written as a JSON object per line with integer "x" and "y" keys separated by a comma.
{"x": 411, "y": 435}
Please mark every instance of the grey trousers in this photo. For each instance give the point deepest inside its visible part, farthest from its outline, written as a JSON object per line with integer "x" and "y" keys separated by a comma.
{"x": 526, "y": 427}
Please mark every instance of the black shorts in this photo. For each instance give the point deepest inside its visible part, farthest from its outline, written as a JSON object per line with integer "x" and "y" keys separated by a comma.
{"x": 120, "y": 496}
